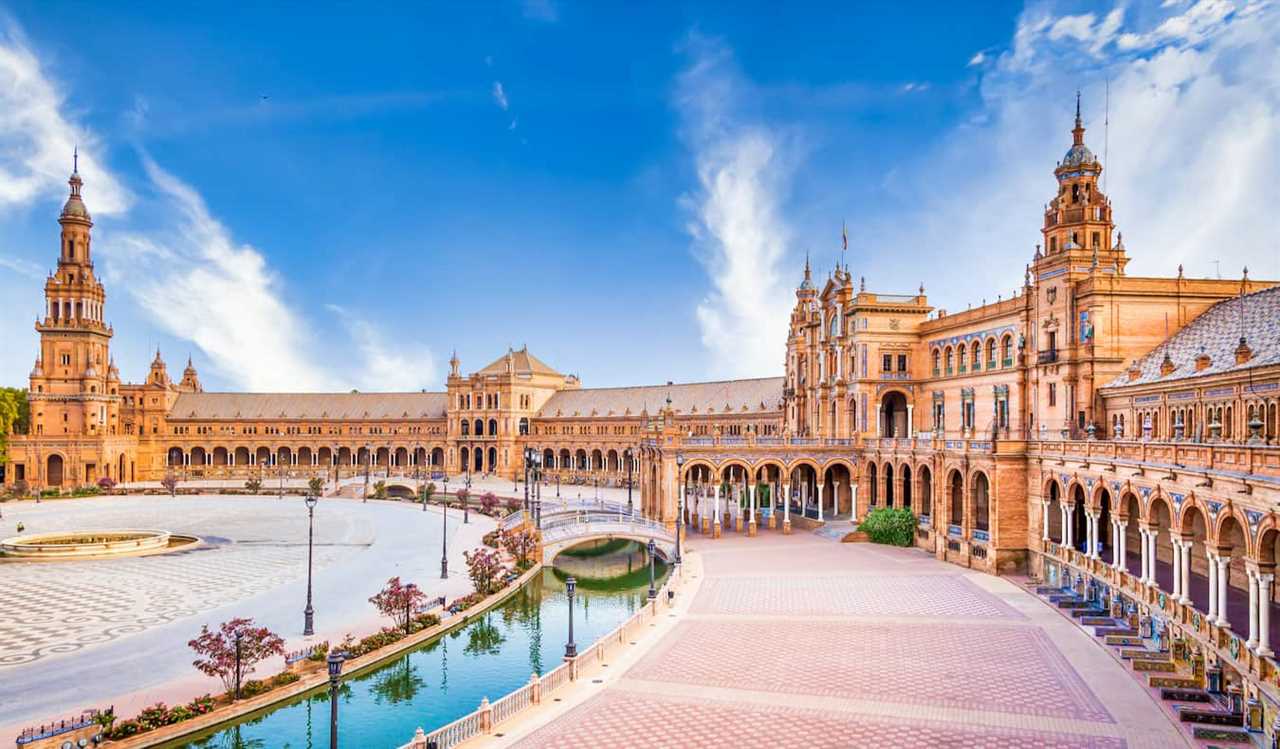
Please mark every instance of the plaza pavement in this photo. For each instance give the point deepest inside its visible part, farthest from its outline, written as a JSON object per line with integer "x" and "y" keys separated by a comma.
{"x": 799, "y": 641}
{"x": 75, "y": 635}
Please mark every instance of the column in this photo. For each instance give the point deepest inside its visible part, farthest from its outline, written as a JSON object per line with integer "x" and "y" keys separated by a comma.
{"x": 1123, "y": 536}
{"x": 786, "y": 508}
{"x": 1044, "y": 532}
{"x": 1224, "y": 582}
{"x": 819, "y": 501}
{"x": 1212, "y": 613}
{"x": 1264, "y": 613}
{"x": 835, "y": 499}
{"x": 715, "y": 517}
{"x": 1067, "y": 512}
{"x": 879, "y": 426}
{"x": 1253, "y": 609}
{"x": 1176, "y": 563}
{"x": 1186, "y": 573}
{"x": 1143, "y": 535}
{"x": 911, "y": 432}
{"x": 1093, "y": 535}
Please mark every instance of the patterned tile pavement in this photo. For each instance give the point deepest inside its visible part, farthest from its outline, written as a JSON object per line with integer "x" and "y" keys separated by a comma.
{"x": 795, "y": 641}
{"x": 951, "y": 596}
{"x": 617, "y": 719}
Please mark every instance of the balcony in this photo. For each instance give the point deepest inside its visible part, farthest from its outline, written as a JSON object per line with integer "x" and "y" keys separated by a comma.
{"x": 1047, "y": 357}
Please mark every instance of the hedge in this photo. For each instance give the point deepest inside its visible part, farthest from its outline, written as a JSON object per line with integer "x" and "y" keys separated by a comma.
{"x": 895, "y": 526}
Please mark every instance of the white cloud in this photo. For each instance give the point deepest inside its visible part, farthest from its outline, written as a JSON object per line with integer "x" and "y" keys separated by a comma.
{"x": 515, "y": 122}
{"x": 36, "y": 139}
{"x": 500, "y": 96}
{"x": 387, "y": 365}
{"x": 915, "y": 86}
{"x": 22, "y": 267}
{"x": 977, "y": 59}
{"x": 541, "y": 10}
{"x": 1190, "y": 162}
{"x": 197, "y": 283}
{"x": 736, "y": 224}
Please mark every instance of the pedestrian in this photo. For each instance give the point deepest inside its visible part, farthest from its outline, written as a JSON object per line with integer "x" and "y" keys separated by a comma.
{"x": 21, "y": 527}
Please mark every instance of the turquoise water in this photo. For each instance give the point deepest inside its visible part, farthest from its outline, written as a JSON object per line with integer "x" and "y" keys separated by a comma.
{"x": 446, "y": 679}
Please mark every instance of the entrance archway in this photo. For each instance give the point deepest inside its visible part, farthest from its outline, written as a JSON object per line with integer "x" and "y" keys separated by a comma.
{"x": 54, "y": 471}
{"x": 893, "y": 415}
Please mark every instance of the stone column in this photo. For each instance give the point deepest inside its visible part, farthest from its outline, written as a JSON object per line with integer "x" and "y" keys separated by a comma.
{"x": 911, "y": 432}
{"x": 786, "y": 509}
{"x": 1123, "y": 537}
{"x": 1253, "y": 609}
{"x": 1067, "y": 512}
{"x": 1224, "y": 582}
{"x": 1145, "y": 578}
{"x": 1185, "y": 558}
{"x": 1264, "y": 613}
{"x": 715, "y": 513}
{"x": 1044, "y": 532}
{"x": 752, "y": 525}
{"x": 1093, "y": 535}
{"x": 1212, "y": 613}
{"x": 819, "y": 501}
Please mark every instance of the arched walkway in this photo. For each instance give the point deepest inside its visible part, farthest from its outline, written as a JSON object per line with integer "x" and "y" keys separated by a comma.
{"x": 893, "y": 415}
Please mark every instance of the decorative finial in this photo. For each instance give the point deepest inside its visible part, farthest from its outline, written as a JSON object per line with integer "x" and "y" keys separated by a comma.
{"x": 922, "y": 288}
{"x": 75, "y": 159}
{"x": 862, "y": 283}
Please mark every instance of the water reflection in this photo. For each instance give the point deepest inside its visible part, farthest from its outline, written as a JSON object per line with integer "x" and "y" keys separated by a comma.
{"x": 498, "y": 652}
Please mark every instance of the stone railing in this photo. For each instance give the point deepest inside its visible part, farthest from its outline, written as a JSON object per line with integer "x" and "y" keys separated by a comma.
{"x": 1229, "y": 457}
{"x": 489, "y": 715}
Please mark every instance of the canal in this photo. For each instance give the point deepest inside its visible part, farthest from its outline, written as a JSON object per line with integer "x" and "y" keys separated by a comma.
{"x": 445, "y": 679}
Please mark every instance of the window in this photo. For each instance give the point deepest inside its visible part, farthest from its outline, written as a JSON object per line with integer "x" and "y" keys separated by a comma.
{"x": 1053, "y": 244}
{"x": 1053, "y": 340}
{"x": 1053, "y": 394}
{"x": 937, "y": 357}
{"x": 1097, "y": 240}
{"x": 902, "y": 362}
{"x": 65, "y": 359}
{"x": 887, "y": 363}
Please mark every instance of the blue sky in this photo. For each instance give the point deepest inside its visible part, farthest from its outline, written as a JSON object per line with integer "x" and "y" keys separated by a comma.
{"x": 310, "y": 198}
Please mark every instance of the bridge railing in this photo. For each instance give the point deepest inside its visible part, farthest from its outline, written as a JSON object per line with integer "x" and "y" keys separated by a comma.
{"x": 484, "y": 720}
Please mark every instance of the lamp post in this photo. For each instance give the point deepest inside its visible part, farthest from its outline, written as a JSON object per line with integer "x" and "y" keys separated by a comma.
{"x": 466, "y": 502}
{"x": 335, "y": 675}
{"x": 280, "y": 493}
{"x": 537, "y": 491}
{"x": 679, "y": 504}
{"x": 368, "y": 458}
{"x": 444, "y": 536}
{"x": 527, "y": 452}
{"x": 570, "y": 648}
{"x": 653, "y": 549}
{"x": 309, "y": 614}
{"x": 627, "y": 455}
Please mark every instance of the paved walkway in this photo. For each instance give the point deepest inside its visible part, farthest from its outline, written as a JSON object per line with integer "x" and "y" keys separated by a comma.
{"x": 797, "y": 641}
{"x": 85, "y": 634}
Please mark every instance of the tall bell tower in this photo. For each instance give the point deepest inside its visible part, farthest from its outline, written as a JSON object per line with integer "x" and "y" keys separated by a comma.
{"x": 73, "y": 388}
{"x": 1077, "y": 222}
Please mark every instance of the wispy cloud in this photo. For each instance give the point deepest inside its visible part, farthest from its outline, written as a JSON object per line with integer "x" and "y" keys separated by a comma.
{"x": 977, "y": 59}
{"x": 500, "y": 96}
{"x": 21, "y": 266}
{"x": 546, "y": 11}
{"x": 915, "y": 87}
{"x": 738, "y": 232}
{"x": 1190, "y": 159}
{"x": 36, "y": 139}
{"x": 387, "y": 365}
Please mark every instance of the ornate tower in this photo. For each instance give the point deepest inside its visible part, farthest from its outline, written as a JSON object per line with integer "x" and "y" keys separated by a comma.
{"x": 1077, "y": 221}
{"x": 72, "y": 391}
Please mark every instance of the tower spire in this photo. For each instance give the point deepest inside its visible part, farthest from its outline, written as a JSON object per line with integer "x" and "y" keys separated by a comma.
{"x": 1077, "y": 132}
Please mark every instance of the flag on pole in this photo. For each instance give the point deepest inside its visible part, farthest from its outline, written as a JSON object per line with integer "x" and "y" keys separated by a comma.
{"x": 844, "y": 235}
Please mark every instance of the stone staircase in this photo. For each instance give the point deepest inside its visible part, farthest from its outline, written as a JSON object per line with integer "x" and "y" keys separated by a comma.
{"x": 1206, "y": 716}
{"x": 837, "y": 530}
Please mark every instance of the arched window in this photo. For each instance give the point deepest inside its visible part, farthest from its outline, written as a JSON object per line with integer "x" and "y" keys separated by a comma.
{"x": 963, "y": 353}
{"x": 937, "y": 360}
{"x": 991, "y": 353}
{"x": 976, "y": 356}
{"x": 466, "y": 428}
{"x": 1006, "y": 353}
{"x": 524, "y": 426}
{"x": 493, "y": 426}
{"x": 949, "y": 355}
{"x": 479, "y": 427}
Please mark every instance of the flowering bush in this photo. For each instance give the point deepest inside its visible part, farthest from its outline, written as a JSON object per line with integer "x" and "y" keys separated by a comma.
{"x": 483, "y": 567}
{"x": 170, "y": 484}
{"x": 398, "y": 601}
{"x": 233, "y": 650}
{"x": 521, "y": 545}
{"x": 465, "y": 602}
{"x": 106, "y": 483}
{"x": 253, "y": 485}
{"x": 513, "y": 504}
{"x": 125, "y": 728}
{"x": 488, "y": 503}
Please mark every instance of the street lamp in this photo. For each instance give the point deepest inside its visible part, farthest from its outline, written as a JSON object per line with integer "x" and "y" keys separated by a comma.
{"x": 335, "y": 675}
{"x": 679, "y": 504}
{"x": 444, "y": 537}
{"x": 627, "y": 455}
{"x": 466, "y": 502}
{"x": 653, "y": 548}
{"x": 527, "y": 458}
{"x": 309, "y": 614}
{"x": 570, "y": 648}
{"x": 368, "y": 458}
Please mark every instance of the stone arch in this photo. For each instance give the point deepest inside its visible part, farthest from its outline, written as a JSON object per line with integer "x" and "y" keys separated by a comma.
{"x": 242, "y": 456}
{"x": 174, "y": 457}
{"x": 925, "y": 502}
{"x": 955, "y": 497}
{"x": 981, "y": 501}
{"x": 1054, "y": 497}
{"x": 873, "y": 483}
{"x": 886, "y": 473}
{"x": 198, "y": 456}
{"x": 220, "y": 456}
{"x": 325, "y": 456}
{"x": 492, "y": 466}
{"x": 1079, "y": 502}
{"x": 55, "y": 470}
{"x": 905, "y": 471}
{"x": 1229, "y": 531}
{"x": 893, "y": 414}
{"x": 437, "y": 456}
{"x": 837, "y": 478}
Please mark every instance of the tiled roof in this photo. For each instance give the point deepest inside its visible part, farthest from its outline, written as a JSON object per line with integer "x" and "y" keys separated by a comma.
{"x": 1217, "y": 332}
{"x": 347, "y": 406}
{"x": 522, "y": 363}
{"x": 759, "y": 395}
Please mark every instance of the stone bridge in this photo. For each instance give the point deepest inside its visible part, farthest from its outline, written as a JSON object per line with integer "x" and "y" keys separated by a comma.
{"x": 576, "y": 523}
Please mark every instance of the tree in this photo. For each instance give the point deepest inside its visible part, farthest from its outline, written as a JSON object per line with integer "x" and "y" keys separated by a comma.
{"x": 231, "y": 652}
{"x": 462, "y": 495}
{"x": 170, "y": 484}
{"x": 380, "y": 490}
{"x": 254, "y": 485}
{"x": 106, "y": 483}
{"x": 483, "y": 567}
{"x": 488, "y": 502}
{"x": 15, "y": 417}
{"x": 521, "y": 545}
{"x": 398, "y": 601}
{"x": 428, "y": 491}
{"x": 316, "y": 485}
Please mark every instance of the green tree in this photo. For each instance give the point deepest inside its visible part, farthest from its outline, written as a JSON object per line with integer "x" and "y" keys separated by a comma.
{"x": 15, "y": 416}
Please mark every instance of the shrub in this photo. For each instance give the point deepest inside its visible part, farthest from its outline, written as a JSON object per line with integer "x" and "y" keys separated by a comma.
{"x": 398, "y": 601}
{"x": 379, "y": 490}
{"x": 425, "y": 621}
{"x": 283, "y": 678}
{"x": 253, "y": 688}
{"x": 316, "y": 485}
{"x": 202, "y": 705}
{"x": 513, "y": 504}
{"x": 320, "y": 652}
{"x": 106, "y": 483}
{"x": 253, "y": 485}
{"x": 488, "y": 503}
{"x": 895, "y": 526}
{"x": 492, "y": 539}
{"x": 521, "y": 546}
{"x": 125, "y": 728}
{"x": 220, "y": 656}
